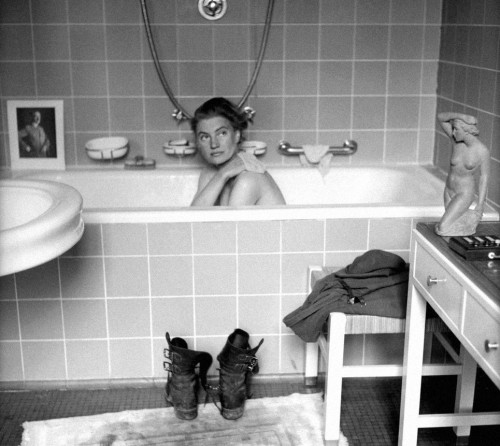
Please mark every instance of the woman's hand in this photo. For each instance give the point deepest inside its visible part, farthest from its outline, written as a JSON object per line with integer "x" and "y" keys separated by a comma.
{"x": 232, "y": 168}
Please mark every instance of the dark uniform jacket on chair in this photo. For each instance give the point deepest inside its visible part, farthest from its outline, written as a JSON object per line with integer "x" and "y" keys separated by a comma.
{"x": 375, "y": 283}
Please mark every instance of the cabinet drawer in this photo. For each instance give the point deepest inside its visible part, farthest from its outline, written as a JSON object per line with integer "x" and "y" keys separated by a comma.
{"x": 480, "y": 327}
{"x": 446, "y": 292}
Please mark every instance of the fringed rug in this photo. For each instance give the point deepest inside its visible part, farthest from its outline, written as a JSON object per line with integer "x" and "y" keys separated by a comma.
{"x": 290, "y": 420}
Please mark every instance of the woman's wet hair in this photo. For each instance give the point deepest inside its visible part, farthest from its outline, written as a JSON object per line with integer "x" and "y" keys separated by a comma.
{"x": 220, "y": 107}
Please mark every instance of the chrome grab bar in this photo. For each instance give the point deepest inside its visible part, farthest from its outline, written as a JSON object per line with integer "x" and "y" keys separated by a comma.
{"x": 348, "y": 148}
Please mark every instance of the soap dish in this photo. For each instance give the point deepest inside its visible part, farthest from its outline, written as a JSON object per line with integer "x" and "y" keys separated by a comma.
{"x": 179, "y": 147}
{"x": 108, "y": 148}
{"x": 254, "y": 147}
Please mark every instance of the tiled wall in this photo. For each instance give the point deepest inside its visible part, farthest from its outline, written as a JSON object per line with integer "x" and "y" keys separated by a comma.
{"x": 469, "y": 76}
{"x": 334, "y": 69}
{"x": 100, "y": 311}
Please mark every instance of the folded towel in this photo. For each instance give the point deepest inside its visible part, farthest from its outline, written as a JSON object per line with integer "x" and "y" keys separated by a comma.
{"x": 313, "y": 153}
{"x": 252, "y": 164}
{"x": 317, "y": 155}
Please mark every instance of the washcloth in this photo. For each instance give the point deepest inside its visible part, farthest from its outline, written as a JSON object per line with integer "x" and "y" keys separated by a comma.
{"x": 317, "y": 155}
{"x": 252, "y": 164}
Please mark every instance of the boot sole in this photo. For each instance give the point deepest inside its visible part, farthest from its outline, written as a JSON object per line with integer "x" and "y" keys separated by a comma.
{"x": 182, "y": 414}
{"x": 232, "y": 414}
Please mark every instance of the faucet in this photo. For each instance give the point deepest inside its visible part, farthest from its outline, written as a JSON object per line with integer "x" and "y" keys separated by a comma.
{"x": 139, "y": 162}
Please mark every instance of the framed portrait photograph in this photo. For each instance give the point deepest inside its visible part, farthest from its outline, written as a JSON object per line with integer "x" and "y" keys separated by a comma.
{"x": 36, "y": 134}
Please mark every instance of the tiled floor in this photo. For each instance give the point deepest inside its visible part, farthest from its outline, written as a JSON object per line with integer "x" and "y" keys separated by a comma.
{"x": 370, "y": 407}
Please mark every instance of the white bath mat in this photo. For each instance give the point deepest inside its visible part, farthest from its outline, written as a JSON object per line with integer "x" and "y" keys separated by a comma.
{"x": 291, "y": 420}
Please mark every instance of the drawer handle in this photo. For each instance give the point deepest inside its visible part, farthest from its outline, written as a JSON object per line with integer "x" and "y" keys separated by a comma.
{"x": 433, "y": 280}
{"x": 488, "y": 346}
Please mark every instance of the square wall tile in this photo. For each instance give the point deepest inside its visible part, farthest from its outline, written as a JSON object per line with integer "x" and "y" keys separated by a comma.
{"x": 259, "y": 314}
{"x": 301, "y": 42}
{"x": 126, "y": 114}
{"x": 335, "y": 113}
{"x": 82, "y": 277}
{"x": 171, "y": 276}
{"x": 368, "y": 112}
{"x": 174, "y": 314}
{"x": 91, "y": 114}
{"x": 335, "y": 78}
{"x": 390, "y": 233}
{"x": 125, "y": 78}
{"x": 370, "y": 77}
{"x": 124, "y": 239}
{"x": 128, "y": 318}
{"x": 11, "y": 362}
{"x": 301, "y": 78}
{"x": 126, "y": 276}
{"x": 214, "y": 275}
{"x": 294, "y": 271}
{"x": 87, "y": 42}
{"x": 84, "y": 318}
{"x": 44, "y": 361}
{"x": 123, "y": 42}
{"x": 303, "y": 235}
{"x": 51, "y": 42}
{"x": 337, "y": 42}
{"x": 217, "y": 237}
{"x": 258, "y": 236}
{"x": 404, "y": 77}
{"x": 196, "y": 78}
{"x": 130, "y": 358}
{"x": 258, "y": 274}
{"x": 14, "y": 48}
{"x": 371, "y": 42}
{"x": 401, "y": 147}
{"x": 236, "y": 40}
{"x": 89, "y": 78}
{"x": 231, "y": 78}
{"x": 215, "y": 315}
{"x": 18, "y": 78}
{"x": 347, "y": 234}
{"x": 406, "y": 42}
{"x": 9, "y": 328}
{"x": 41, "y": 319}
{"x": 87, "y": 359}
{"x": 39, "y": 282}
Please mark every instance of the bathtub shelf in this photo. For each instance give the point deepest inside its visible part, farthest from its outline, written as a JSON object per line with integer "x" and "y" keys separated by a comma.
{"x": 180, "y": 148}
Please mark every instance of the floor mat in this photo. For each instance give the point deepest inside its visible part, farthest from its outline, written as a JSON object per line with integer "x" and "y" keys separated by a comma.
{"x": 290, "y": 420}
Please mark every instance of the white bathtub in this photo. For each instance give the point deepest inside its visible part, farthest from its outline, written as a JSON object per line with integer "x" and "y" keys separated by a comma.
{"x": 164, "y": 195}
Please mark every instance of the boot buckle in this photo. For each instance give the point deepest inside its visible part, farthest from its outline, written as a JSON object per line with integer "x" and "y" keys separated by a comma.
{"x": 252, "y": 364}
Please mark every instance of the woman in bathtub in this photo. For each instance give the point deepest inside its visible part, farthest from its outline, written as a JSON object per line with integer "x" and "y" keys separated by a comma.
{"x": 231, "y": 177}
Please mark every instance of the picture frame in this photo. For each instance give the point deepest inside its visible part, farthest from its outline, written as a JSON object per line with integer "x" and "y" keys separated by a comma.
{"x": 36, "y": 134}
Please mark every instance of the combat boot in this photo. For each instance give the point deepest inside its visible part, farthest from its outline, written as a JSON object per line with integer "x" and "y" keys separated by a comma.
{"x": 237, "y": 360}
{"x": 182, "y": 386}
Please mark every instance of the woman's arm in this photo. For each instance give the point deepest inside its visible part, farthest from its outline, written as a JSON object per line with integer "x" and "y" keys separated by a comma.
{"x": 212, "y": 182}
{"x": 445, "y": 119}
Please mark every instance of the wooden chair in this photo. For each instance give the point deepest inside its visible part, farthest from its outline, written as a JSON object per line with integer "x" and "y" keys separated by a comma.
{"x": 331, "y": 348}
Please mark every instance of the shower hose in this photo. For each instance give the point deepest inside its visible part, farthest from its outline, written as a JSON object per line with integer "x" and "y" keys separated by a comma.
{"x": 181, "y": 112}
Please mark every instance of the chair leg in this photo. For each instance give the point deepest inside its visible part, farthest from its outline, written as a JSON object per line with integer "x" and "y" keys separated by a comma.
{"x": 466, "y": 383}
{"x": 311, "y": 366}
{"x": 333, "y": 384}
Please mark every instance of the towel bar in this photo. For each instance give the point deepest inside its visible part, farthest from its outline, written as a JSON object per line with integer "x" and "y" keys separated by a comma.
{"x": 348, "y": 148}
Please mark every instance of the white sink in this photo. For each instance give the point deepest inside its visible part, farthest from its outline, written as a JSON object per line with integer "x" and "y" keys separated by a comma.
{"x": 39, "y": 220}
